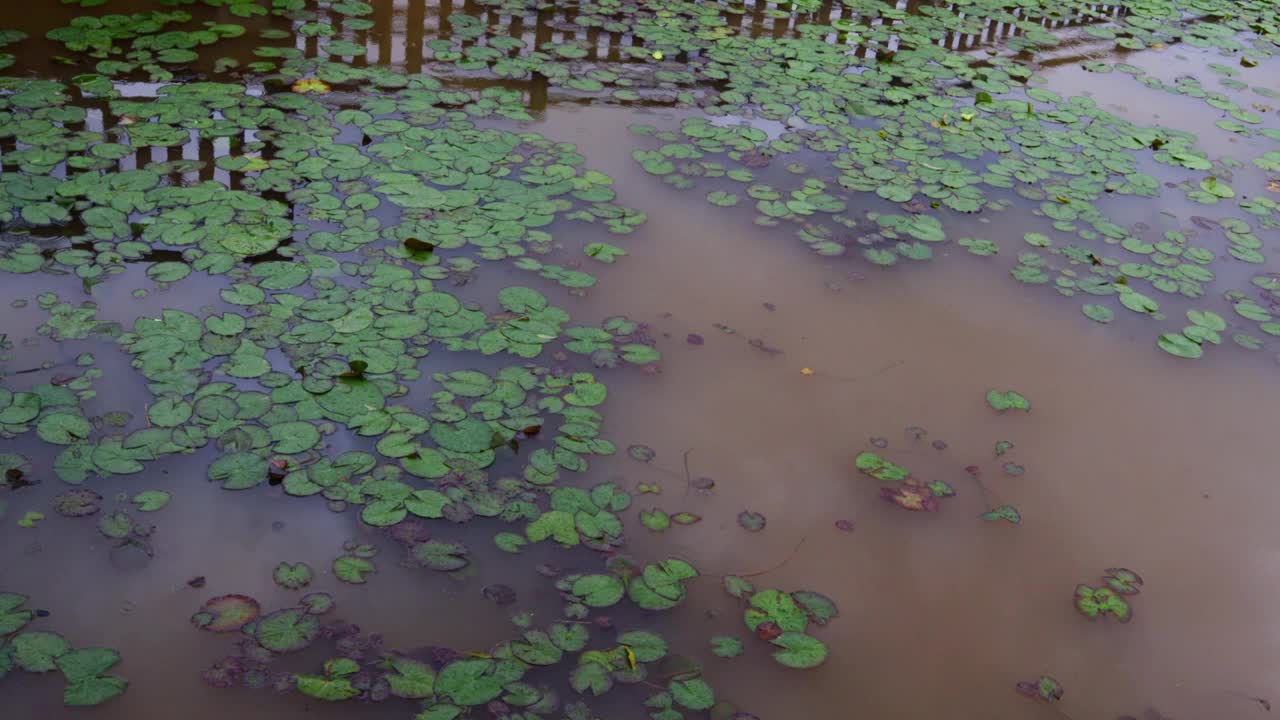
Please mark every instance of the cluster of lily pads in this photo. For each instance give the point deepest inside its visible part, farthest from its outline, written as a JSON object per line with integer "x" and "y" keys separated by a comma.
{"x": 40, "y": 651}
{"x": 517, "y": 678}
{"x": 340, "y": 233}
{"x": 345, "y": 225}
{"x": 942, "y": 134}
{"x": 1108, "y": 599}
{"x": 900, "y": 487}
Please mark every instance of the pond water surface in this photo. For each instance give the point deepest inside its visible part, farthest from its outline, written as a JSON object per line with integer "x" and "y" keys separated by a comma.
{"x": 862, "y": 292}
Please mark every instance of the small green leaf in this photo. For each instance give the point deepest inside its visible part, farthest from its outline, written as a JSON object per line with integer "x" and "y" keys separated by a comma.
{"x": 354, "y": 570}
{"x": 799, "y": 650}
{"x": 726, "y": 646}
{"x": 694, "y": 693}
{"x": 599, "y": 590}
{"x": 292, "y": 577}
{"x": 1002, "y": 400}
{"x": 151, "y": 500}
{"x": 1004, "y": 512}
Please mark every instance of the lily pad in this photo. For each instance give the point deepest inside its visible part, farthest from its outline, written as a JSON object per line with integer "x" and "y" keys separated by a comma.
{"x": 226, "y": 613}
{"x": 286, "y": 631}
{"x": 292, "y": 577}
{"x": 1002, "y": 400}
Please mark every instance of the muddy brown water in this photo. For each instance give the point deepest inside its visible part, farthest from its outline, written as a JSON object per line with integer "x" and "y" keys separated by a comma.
{"x": 1132, "y": 459}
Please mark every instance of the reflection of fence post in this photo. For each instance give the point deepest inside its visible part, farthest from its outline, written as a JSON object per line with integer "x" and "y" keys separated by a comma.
{"x": 538, "y": 92}
{"x": 205, "y": 153}
{"x": 542, "y": 30}
{"x": 757, "y": 18}
{"x": 516, "y": 31}
{"x": 415, "y": 26}
{"x": 446, "y": 27}
{"x": 382, "y": 30}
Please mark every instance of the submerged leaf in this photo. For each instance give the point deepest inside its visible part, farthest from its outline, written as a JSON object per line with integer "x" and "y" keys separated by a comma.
{"x": 1004, "y": 512}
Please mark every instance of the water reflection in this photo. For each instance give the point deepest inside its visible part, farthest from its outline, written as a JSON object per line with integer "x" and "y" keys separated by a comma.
{"x": 401, "y": 33}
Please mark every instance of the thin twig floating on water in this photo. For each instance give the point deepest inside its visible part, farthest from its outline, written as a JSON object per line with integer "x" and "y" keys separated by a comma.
{"x": 688, "y": 479}
{"x": 858, "y": 378}
{"x": 784, "y": 561}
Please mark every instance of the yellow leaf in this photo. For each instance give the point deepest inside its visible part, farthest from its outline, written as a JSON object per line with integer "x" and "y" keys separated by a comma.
{"x": 806, "y": 371}
{"x": 311, "y": 85}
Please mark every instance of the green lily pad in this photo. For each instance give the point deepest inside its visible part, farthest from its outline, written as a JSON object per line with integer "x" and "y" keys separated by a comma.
{"x": 292, "y": 577}
{"x": 86, "y": 684}
{"x": 799, "y": 650}
{"x": 1002, "y": 400}
{"x": 354, "y": 570}
{"x": 151, "y": 500}
{"x": 36, "y": 651}
{"x": 286, "y": 631}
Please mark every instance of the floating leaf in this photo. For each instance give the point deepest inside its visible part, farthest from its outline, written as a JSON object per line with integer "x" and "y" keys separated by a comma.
{"x": 1123, "y": 581}
{"x": 151, "y": 500}
{"x": 910, "y": 497}
{"x": 442, "y": 556}
{"x": 311, "y": 85}
{"x": 598, "y": 590}
{"x": 1179, "y": 345}
{"x": 643, "y": 453}
{"x": 738, "y": 586}
{"x": 685, "y": 518}
{"x": 317, "y": 603}
{"x": 693, "y": 693}
{"x": 1098, "y": 313}
{"x": 410, "y": 678}
{"x": 354, "y": 570}
{"x": 644, "y": 645}
{"x": 1100, "y": 602}
{"x": 12, "y": 618}
{"x": 819, "y": 607}
{"x": 36, "y": 651}
{"x": 1002, "y": 400}
{"x": 86, "y": 683}
{"x": 292, "y": 577}
{"x": 331, "y": 689}
{"x": 799, "y": 650}
{"x": 880, "y": 468}
{"x": 776, "y": 607}
{"x": 1044, "y": 688}
{"x": 1004, "y": 512}
{"x": 751, "y": 521}
{"x": 226, "y": 613}
{"x": 77, "y": 502}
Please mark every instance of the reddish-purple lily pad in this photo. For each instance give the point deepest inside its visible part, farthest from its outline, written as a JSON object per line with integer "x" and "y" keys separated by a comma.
{"x": 1043, "y": 688}
{"x": 226, "y": 613}
{"x": 910, "y": 497}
